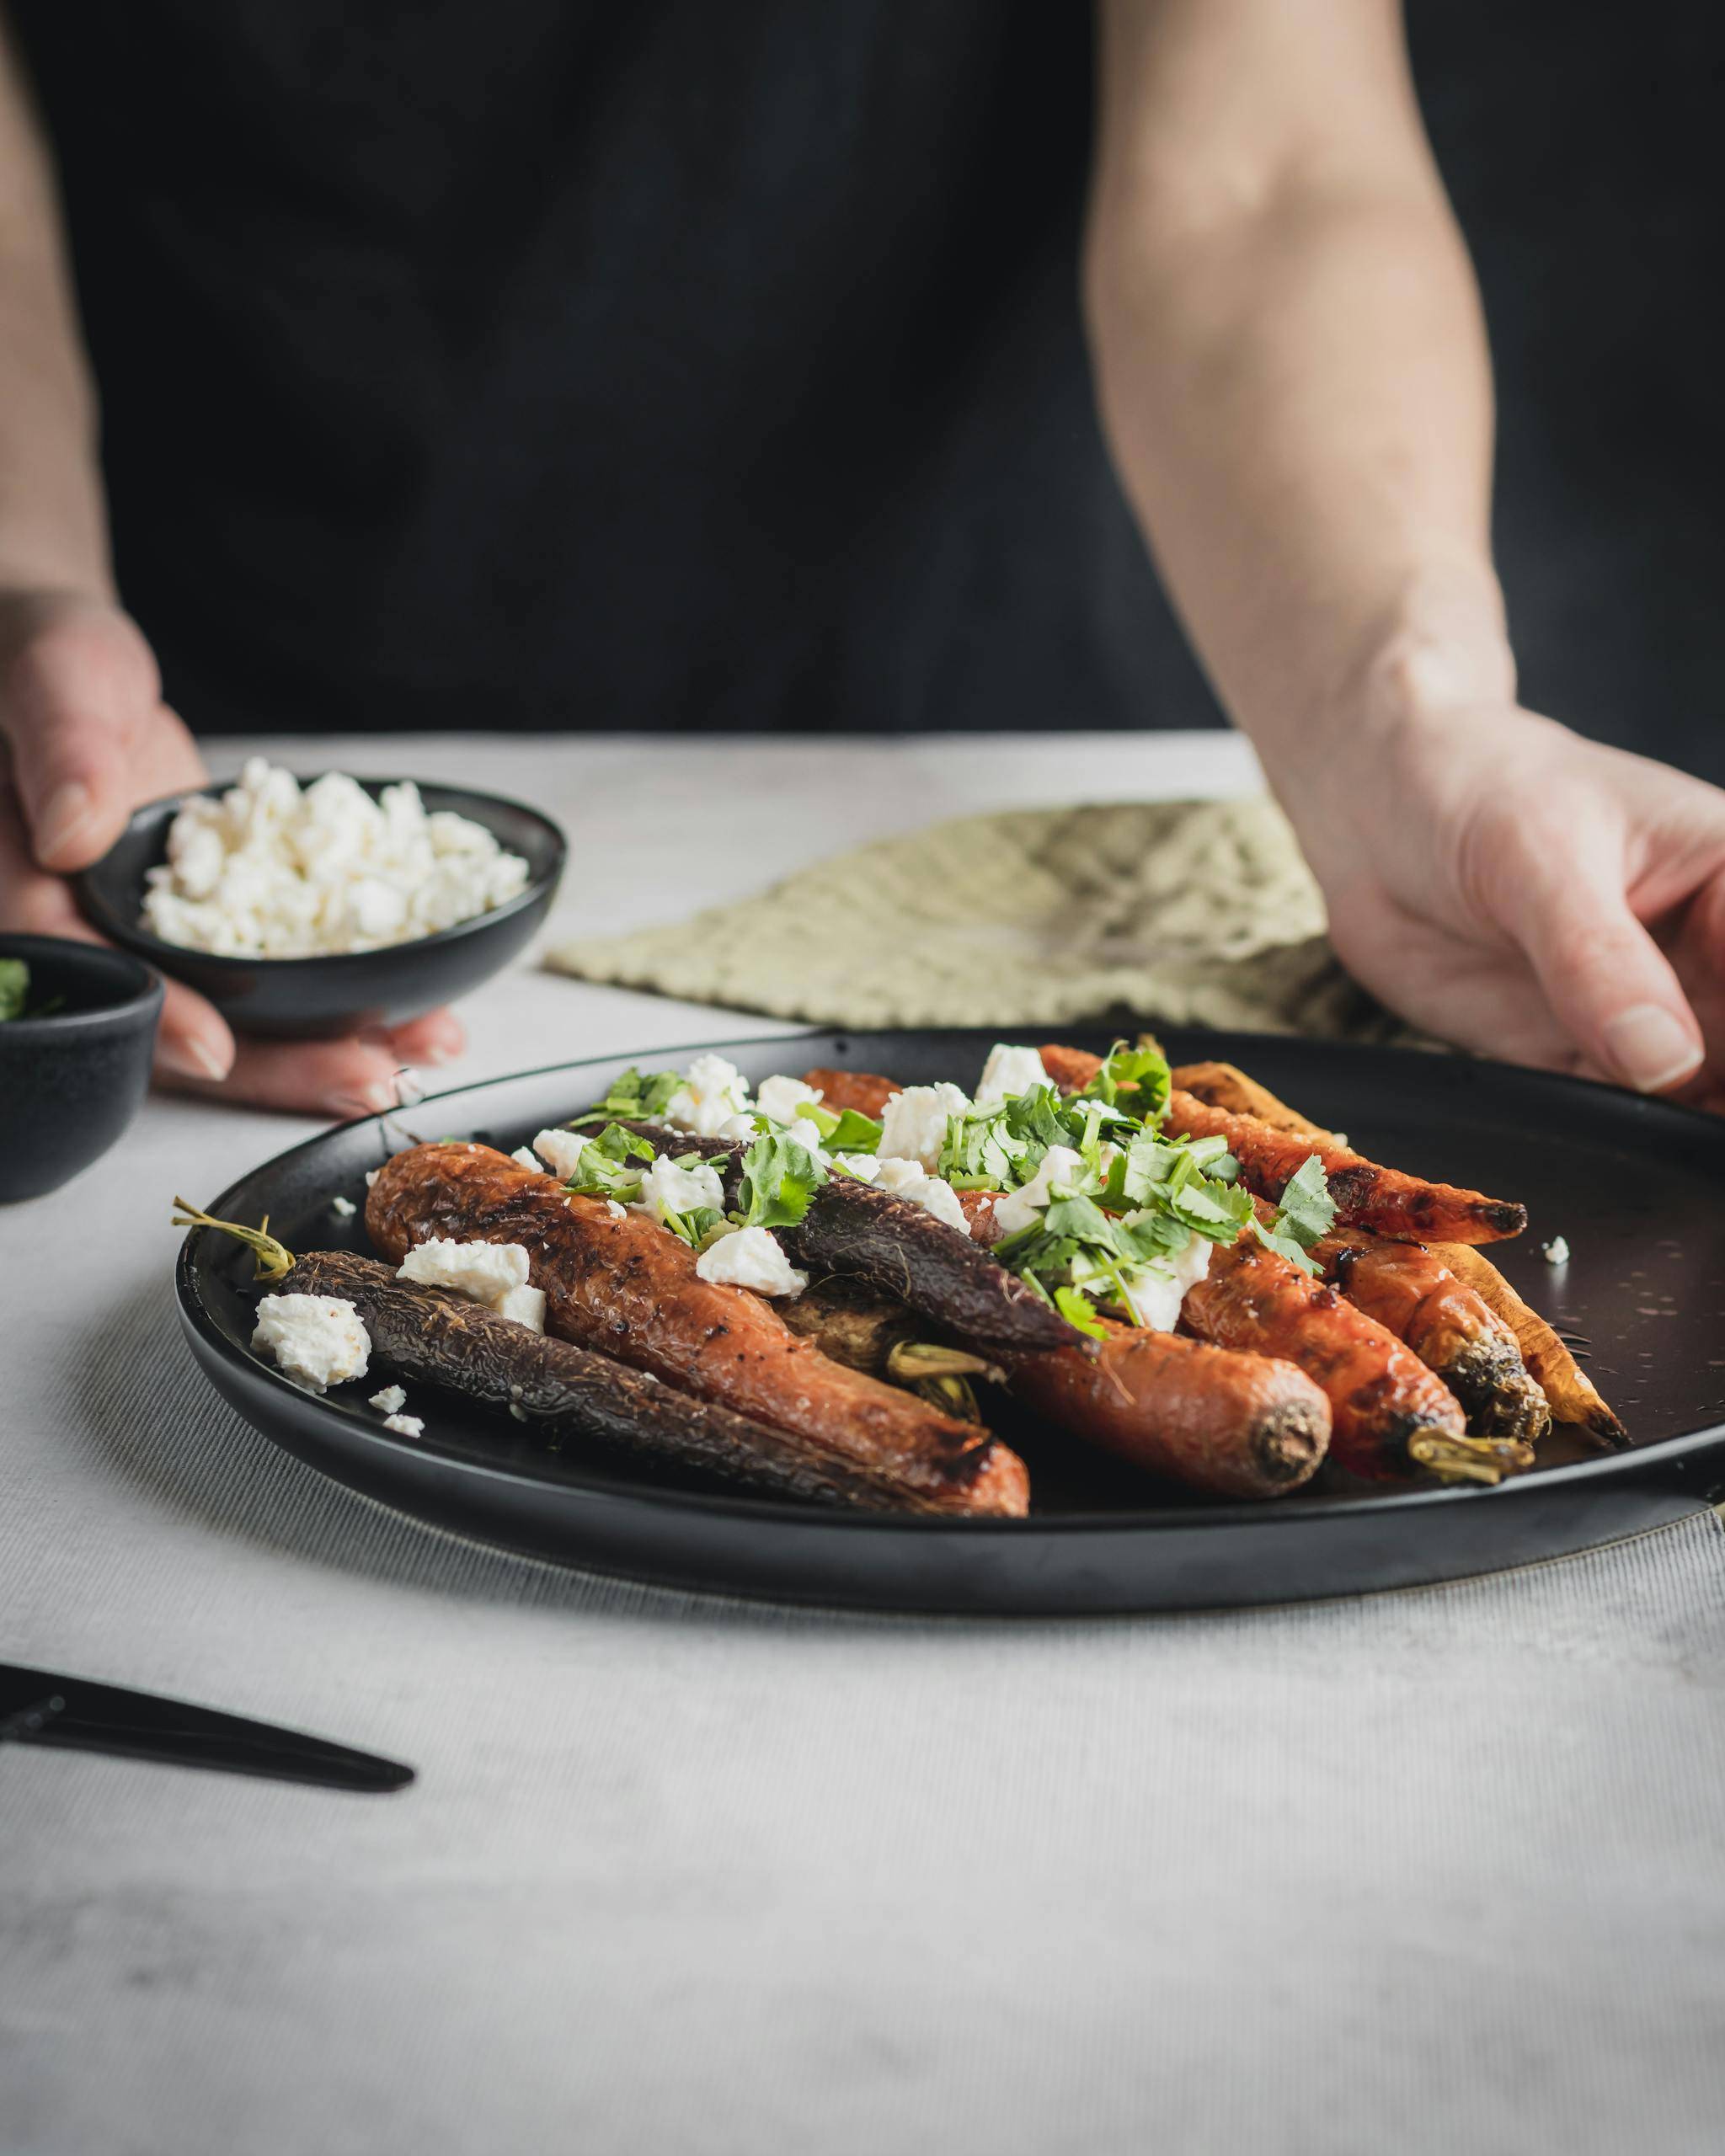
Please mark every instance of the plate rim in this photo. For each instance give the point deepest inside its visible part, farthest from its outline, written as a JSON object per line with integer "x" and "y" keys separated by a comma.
{"x": 1633, "y": 1462}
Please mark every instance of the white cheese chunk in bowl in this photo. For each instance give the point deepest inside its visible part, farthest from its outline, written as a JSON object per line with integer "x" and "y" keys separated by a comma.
{"x": 310, "y": 909}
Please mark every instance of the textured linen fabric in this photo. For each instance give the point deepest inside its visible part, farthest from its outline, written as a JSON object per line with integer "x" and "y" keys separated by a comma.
{"x": 1193, "y": 912}
{"x": 1425, "y": 1872}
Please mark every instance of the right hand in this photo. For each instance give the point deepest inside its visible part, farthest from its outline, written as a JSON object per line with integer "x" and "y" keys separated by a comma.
{"x": 90, "y": 738}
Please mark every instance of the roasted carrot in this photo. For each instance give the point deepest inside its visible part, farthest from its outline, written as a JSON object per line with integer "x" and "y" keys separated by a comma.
{"x": 1572, "y": 1395}
{"x": 618, "y": 1283}
{"x": 1235, "y": 1425}
{"x": 1404, "y": 1207}
{"x": 1226, "y": 1086}
{"x": 430, "y": 1336}
{"x": 896, "y": 1247}
{"x": 865, "y": 1091}
{"x": 1389, "y": 1414}
{"x": 1409, "y": 1290}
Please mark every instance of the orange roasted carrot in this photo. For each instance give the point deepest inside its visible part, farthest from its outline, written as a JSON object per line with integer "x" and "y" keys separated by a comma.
{"x": 1452, "y": 1329}
{"x": 1389, "y": 1414}
{"x": 1403, "y": 1207}
{"x": 1236, "y": 1426}
{"x": 620, "y": 1284}
{"x": 865, "y": 1091}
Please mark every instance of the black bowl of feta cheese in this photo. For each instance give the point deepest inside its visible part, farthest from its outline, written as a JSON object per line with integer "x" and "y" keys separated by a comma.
{"x": 308, "y": 909}
{"x": 77, "y": 1031}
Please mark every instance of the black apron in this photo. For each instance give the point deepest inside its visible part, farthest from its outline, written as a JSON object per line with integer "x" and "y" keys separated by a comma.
{"x": 531, "y": 364}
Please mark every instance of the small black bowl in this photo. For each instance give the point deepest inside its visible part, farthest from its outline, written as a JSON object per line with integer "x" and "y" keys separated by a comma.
{"x": 72, "y": 1082}
{"x": 318, "y": 999}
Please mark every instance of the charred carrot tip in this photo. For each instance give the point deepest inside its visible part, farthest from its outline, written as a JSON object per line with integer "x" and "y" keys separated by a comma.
{"x": 1485, "y": 1460}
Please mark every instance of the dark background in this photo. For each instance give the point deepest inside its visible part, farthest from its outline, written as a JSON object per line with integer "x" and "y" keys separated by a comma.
{"x": 394, "y": 449}
{"x": 1581, "y": 146}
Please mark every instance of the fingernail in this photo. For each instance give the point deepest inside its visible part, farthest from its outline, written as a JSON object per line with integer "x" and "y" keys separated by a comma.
{"x": 193, "y": 1057}
{"x": 375, "y": 1099}
{"x": 1650, "y": 1048}
{"x": 65, "y": 809}
{"x": 435, "y": 1052}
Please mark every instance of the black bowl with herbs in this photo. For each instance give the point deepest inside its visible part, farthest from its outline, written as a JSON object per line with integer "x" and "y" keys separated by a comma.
{"x": 77, "y": 1031}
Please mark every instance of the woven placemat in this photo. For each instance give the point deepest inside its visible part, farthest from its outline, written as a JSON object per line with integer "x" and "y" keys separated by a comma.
{"x": 1192, "y": 912}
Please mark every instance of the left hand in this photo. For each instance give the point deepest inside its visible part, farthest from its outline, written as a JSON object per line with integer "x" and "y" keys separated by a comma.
{"x": 1526, "y": 892}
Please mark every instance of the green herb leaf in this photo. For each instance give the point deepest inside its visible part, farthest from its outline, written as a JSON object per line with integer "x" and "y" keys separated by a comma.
{"x": 1305, "y": 1209}
{"x": 1077, "y": 1308}
{"x": 606, "y": 1166}
{"x": 1143, "y": 1071}
{"x": 638, "y": 1097}
{"x": 848, "y": 1132}
{"x": 14, "y": 987}
{"x": 779, "y": 1177}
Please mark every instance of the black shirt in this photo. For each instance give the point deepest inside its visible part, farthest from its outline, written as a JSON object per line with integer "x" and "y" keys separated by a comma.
{"x": 536, "y": 364}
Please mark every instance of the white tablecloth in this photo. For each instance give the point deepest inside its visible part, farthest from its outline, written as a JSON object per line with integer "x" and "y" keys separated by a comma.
{"x": 1432, "y": 1871}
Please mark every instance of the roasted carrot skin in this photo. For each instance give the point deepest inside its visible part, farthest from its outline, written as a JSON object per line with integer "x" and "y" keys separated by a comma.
{"x": 433, "y": 1338}
{"x": 1410, "y": 1291}
{"x": 865, "y": 1091}
{"x": 1403, "y": 1207}
{"x": 1380, "y": 1394}
{"x": 626, "y": 1287}
{"x": 1230, "y": 1425}
{"x": 898, "y": 1248}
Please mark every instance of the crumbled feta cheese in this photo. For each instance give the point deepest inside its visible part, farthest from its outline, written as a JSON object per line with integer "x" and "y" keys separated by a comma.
{"x": 1155, "y": 1293}
{"x": 617, "y": 1208}
{"x": 914, "y": 1126}
{"x": 751, "y": 1257}
{"x": 1557, "y": 1252}
{"x": 907, "y": 1179}
{"x": 806, "y": 1135}
{"x": 667, "y": 1188}
{"x": 485, "y": 1272}
{"x": 525, "y": 1306}
{"x": 561, "y": 1151}
{"x": 523, "y": 1159}
{"x": 371, "y": 1176}
{"x": 863, "y": 1165}
{"x": 317, "y": 1340}
{"x": 739, "y": 1129}
{"x": 780, "y": 1098}
{"x": 405, "y": 1425}
{"x": 1007, "y": 1072}
{"x": 391, "y": 1401}
{"x": 1017, "y": 1208}
{"x": 268, "y": 871}
{"x": 343, "y": 1208}
{"x": 712, "y": 1090}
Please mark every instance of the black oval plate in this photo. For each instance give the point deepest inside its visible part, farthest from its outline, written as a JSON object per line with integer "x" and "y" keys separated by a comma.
{"x": 1636, "y": 1187}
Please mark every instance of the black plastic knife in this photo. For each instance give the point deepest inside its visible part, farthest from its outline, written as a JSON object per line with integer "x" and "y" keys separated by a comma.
{"x": 38, "y": 1707}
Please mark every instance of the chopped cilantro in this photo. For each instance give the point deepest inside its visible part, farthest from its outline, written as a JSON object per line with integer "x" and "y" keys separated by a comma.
{"x": 606, "y": 1166}
{"x": 1307, "y": 1211}
{"x": 638, "y": 1097}
{"x": 14, "y": 987}
{"x": 848, "y": 1132}
{"x": 1142, "y": 1072}
{"x": 779, "y": 1177}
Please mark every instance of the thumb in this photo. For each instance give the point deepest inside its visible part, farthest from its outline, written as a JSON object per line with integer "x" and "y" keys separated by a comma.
{"x": 1608, "y": 983}
{"x": 81, "y": 683}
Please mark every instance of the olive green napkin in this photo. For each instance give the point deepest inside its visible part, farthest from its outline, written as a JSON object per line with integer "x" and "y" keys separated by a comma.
{"x": 1193, "y": 912}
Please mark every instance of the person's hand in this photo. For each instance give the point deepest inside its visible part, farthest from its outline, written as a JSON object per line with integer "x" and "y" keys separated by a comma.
{"x": 89, "y": 738}
{"x": 1521, "y": 891}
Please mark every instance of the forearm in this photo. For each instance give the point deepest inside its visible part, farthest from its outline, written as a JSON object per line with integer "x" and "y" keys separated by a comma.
{"x": 52, "y": 525}
{"x": 1293, "y": 377}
